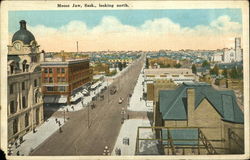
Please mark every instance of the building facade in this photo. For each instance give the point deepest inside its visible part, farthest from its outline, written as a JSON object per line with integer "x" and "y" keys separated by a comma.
{"x": 177, "y": 75}
{"x": 25, "y": 104}
{"x": 62, "y": 79}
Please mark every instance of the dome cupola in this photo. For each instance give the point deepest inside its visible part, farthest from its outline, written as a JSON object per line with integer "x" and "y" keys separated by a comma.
{"x": 23, "y": 34}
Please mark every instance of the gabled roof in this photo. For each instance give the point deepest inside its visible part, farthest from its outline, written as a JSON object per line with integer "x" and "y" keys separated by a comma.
{"x": 173, "y": 103}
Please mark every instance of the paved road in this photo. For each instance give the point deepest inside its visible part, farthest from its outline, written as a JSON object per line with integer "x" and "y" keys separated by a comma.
{"x": 105, "y": 122}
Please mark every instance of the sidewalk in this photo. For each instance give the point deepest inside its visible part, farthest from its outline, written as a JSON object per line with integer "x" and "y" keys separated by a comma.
{"x": 86, "y": 100}
{"x": 32, "y": 140}
{"x": 129, "y": 130}
{"x": 136, "y": 102}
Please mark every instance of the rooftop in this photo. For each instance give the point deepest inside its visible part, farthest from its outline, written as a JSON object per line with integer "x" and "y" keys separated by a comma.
{"x": 173, "y": 103}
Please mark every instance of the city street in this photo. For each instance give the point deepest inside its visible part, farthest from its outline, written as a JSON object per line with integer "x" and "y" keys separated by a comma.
{"x": 88, "y": 131}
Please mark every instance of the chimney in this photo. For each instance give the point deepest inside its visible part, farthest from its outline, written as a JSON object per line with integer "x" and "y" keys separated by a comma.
{"x": 22, "y": 24}
{"x": 190, "y": 105}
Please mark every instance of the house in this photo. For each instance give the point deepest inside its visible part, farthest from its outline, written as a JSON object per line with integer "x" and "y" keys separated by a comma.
{"x": 202, "y": 117}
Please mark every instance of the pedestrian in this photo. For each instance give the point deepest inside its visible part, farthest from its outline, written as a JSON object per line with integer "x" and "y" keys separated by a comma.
{"x": 119, "y": 151}
{"x": 67, "y": 110}
{"x": 17, "y": 153}
{"x": 60, "y": 129}
{"x": 56, "y": 120}
{"x": 59, "y": 123}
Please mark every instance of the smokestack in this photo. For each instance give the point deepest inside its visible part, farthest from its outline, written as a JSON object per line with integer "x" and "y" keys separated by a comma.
{"x": 77, "y": 46}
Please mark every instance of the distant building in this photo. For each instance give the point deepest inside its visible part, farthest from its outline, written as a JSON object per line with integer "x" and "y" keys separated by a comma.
{"x": 229, "y": 55}
{"x": 25, "y": 104}
{"x": 217, "y": 57}
{"x": 233, "y": 55}
{"x": 238, "y": 50}
{"x": 194, "y": 111}
{"x": 177, "y": 75}
{"x": 62, "y": 79}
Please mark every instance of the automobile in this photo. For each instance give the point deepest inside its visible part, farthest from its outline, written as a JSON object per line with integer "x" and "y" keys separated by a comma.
{"x": 112, "y": 90}
{"x": 120, "y": 100}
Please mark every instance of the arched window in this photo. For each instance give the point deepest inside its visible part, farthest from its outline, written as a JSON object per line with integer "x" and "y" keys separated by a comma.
{"x": 36, "y": 97}
{"x": 15, "y": 126}
{"x": 11, "y": 69}
{"x": 37, "y": 116}
{"x": 26, "y": 119}
{"x": 24, "y": 65}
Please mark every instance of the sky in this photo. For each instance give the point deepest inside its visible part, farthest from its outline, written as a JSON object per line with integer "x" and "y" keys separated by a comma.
{"x": 97, "y": 30}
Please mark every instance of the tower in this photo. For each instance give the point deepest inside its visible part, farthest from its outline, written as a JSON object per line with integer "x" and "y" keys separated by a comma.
{"x": 238, "y": 52}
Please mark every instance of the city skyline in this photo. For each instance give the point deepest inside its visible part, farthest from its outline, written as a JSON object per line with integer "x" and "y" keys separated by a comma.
{"x": 132, "y": 30}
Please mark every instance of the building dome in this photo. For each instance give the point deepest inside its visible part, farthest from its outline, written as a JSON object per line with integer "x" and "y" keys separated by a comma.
{"x": 23, "y": 34}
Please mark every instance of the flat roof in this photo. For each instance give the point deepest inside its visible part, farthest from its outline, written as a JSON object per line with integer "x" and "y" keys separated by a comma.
{"x": 53, "y": 62}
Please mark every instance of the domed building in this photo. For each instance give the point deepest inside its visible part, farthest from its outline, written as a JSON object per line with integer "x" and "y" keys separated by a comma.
{"x": 25, "y": 104}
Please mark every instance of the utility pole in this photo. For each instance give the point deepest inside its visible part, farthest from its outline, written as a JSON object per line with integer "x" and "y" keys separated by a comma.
{"x": 88, "y": 117}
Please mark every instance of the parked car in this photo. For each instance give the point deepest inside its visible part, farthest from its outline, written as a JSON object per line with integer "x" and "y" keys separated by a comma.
{"x": 120, "y": 100}
{"x": 112, "y": 90}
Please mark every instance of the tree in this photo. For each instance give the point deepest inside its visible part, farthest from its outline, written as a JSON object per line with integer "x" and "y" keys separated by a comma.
{"x": 215, "y": 70}
{"x": 124, "y": 65}
{"x": 147, "y": 63}
{"x": 178, "y": 65}
{"x": 236, "y": 73}
{"x": 206, "y": 64}
{"x": 194, "y": 70}
{"x": 225, "y": 73}
{"x": 120, "y": 66}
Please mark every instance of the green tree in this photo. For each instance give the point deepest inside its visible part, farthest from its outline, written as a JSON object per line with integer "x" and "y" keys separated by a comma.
{"x": 147, "y": 63}
{"x": 236, "y": 73}
{"x": 178, "y": 65}
{"x": 225, "y": 73}
{"x": 215, "y": 70}
{"x": 194, "y": 70}
{"x": 206, "y": 64}
{"x": 120, "y": 66}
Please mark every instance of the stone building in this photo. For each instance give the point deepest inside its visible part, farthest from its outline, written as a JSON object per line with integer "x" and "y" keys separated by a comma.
{"x": 197, "y": 119}
{"x": 25, "y": 104}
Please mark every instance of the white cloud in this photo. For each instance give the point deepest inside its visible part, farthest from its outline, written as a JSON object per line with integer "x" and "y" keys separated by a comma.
{"x": 111, "y": 29}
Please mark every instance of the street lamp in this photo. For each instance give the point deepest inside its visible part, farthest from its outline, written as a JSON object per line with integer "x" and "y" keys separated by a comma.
{"x": 106, "y": 151}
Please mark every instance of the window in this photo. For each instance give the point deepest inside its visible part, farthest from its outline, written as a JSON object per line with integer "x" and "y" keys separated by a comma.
{"x": 37, "y": 116}
{"x": 26, "y": 119}
{"x": 35, "y": 83}
{"x": 45, "y": 80}
{"x": 11, "y": 89}
{"x": 50, "y": 89}
{"x": 12, "y": 107}
{"x": 23, "y": 85}
{"x": 45, "y": 70}
{"x": 63, "y": 70}
{"x": 36, "y": 97}
{"x": 15, "y": 126}
{"x": 50, "y": 80}
{"x": 62, "y": 79}
{"x": 61, "y": 88}
{"x": 58, "y": 70}
{"x": 50, "y": 70}
{"x": 11, "y": 69}
{"x": 58, "y": 79}
{"x": 24, "y": 102}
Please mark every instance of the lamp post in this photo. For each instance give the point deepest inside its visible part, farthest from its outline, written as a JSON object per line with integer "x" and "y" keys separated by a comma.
{"x": 106, "y": 151}
{"x": 64, "y": 116}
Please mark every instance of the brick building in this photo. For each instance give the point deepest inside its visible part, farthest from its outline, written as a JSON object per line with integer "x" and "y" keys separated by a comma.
{"x": 62, "y": 79}
{"x": 197, "y": 119}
